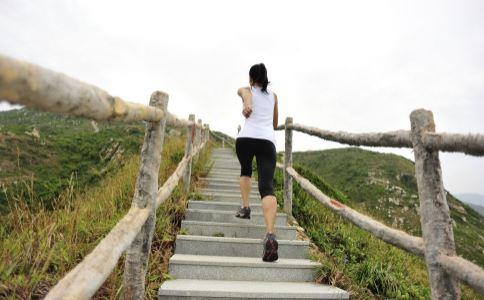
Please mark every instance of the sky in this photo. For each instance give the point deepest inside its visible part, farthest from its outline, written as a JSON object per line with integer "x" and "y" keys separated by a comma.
{"x": 357, "y": 66}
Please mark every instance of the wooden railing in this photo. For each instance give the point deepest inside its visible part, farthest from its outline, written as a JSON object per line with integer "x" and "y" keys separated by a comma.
{"x": 436, "y": 245}
{"x": 223, "y": 140}
{"x": 34, "y": 86}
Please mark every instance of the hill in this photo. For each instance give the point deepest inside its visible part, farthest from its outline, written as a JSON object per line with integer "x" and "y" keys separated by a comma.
{"x": 478, "y": 208}
{"x": 471, "y": 198}
{"x": 42, "y": 153}
{"x": 384, "y": 186}
{"x": 67, "y": 183}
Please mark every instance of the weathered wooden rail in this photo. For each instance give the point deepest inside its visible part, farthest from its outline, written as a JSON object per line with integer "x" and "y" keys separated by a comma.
{"x": 436, "y": 245}
{"x": 34, "y": 86}
{"x": 223, "y": 140}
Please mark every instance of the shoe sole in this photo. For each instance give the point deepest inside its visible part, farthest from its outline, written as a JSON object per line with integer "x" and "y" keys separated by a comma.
{"x": 243, "y": 217}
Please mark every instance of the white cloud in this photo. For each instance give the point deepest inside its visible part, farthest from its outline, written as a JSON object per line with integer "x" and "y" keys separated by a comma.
{"x": 341, "y": 65}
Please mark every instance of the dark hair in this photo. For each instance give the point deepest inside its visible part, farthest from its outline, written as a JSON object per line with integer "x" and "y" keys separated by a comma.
{"x": 258, "y": 74}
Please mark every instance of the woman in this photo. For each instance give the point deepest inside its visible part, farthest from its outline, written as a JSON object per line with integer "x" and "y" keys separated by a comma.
{"x": 257, "y": 139}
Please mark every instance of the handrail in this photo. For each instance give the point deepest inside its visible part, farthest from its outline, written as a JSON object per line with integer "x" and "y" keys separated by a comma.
{"x": 88, "y": 276}
{"x": 472, "y": 144}
{"x": 392, "y": 236}
{"x": 34, "y": 86}
{"x": 41, "y": 88}
{"x": 437, "y": 242}
{"x": 400, "y": 138}
{"x": 465, "y": 270}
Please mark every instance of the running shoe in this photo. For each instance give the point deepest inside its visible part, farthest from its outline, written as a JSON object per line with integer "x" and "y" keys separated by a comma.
{"x": 243, "y": 213}
{"x": 270, "y": 248}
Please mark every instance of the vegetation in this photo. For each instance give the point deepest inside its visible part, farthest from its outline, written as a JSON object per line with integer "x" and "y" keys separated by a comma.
{"x": 384, "y": 186}
{"x": 43, "y": 154}
{"x": 41, "y": 240}
{"x": 64, "y": 186}
{"x": 352, "y": 258}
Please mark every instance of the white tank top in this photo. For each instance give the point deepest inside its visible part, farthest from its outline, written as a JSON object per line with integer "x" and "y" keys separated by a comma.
{"x": 259, "y": 125}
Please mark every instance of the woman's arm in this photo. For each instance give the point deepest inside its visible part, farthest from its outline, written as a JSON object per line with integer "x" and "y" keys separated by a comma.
{"x": 276, "y": 112}
{"x": 246, "y": 95}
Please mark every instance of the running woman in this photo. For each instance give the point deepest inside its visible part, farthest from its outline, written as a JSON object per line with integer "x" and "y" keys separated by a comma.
{"x": 257, "y": 138}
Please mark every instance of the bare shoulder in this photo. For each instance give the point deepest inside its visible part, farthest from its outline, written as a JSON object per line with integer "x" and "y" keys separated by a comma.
{"x": 242, "y": 90}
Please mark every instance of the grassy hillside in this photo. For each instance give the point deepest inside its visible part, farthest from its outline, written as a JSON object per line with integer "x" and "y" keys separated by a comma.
{"x": 43, "y": 153}
{"x": 384, "y": 186}
{"x": 40, "y": 243}
{"x": 351, "y": 258}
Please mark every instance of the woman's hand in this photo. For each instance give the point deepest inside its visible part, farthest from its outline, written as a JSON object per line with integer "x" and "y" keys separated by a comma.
{"x": 246, "y": 96}
{"x": 247, "y": 111}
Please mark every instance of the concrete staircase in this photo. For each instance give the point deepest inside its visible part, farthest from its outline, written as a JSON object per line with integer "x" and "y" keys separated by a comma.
{"x": 220, "y": 257}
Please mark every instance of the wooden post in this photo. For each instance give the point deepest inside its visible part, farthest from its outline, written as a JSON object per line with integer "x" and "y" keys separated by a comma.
{"x": 288, "y": 163}
{"x": 204, "y": 133}
{"x": 138, "y": 253}
{"x": 188, "y": 150}
{"x": 435, "y": 220}
{"x": 208, "y": 132}
{"x": 223, "y": 142}
{"x": 198, "y": 137}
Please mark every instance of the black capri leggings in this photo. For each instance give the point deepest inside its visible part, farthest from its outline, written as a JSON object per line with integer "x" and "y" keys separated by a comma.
{"x": 265, "y": 155}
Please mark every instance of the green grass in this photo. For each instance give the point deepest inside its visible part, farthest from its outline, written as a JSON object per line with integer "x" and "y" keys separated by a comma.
{"x": 351, "y": 258}
{"x": 384, "y": 186}
{"x": 68, "y": 151}
{"x": 40, "y": 241}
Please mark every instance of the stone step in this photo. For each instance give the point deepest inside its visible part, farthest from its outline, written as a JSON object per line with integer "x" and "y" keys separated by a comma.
{"x": 225, "y": 162}
{"x": 223, "y": 151}
{"x": 232, "y": 160}
{"x": 233, "y": 177}
{"x": 234, "y": 183}
{"x": 218, "y": 205}
{"x": 232, "y": 163}
{"x": 233, "y": 198}
{"x": 235, "y": 192}
{"x": 225, "y": 172}
{"x": 226, "y": 180}
{"x": 228, "y": 175}
{"x": 188, "y": 266}
{"x": 185, "y": 289}
{"x": 228, "y": 170}
{"x": 220, "y": 256}
{"x": 254, "y": 231}
{"x": 229, "y": 217}
{"x": 227, "y": 186}
{"x": 225, "y": 246}
{"x": 224, "y": 157}
{"x": 225, "y": 176}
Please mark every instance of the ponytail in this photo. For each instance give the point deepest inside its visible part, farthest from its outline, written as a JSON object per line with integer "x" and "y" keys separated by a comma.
{"x": 258, "y": 74}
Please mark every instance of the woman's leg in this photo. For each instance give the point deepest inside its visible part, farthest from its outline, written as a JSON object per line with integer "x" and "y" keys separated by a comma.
{"x": 269, "y": 208}
{"x": 245, "y": 185}
{"x": 245, "y": 156}
{"x": 266, "y": 164}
